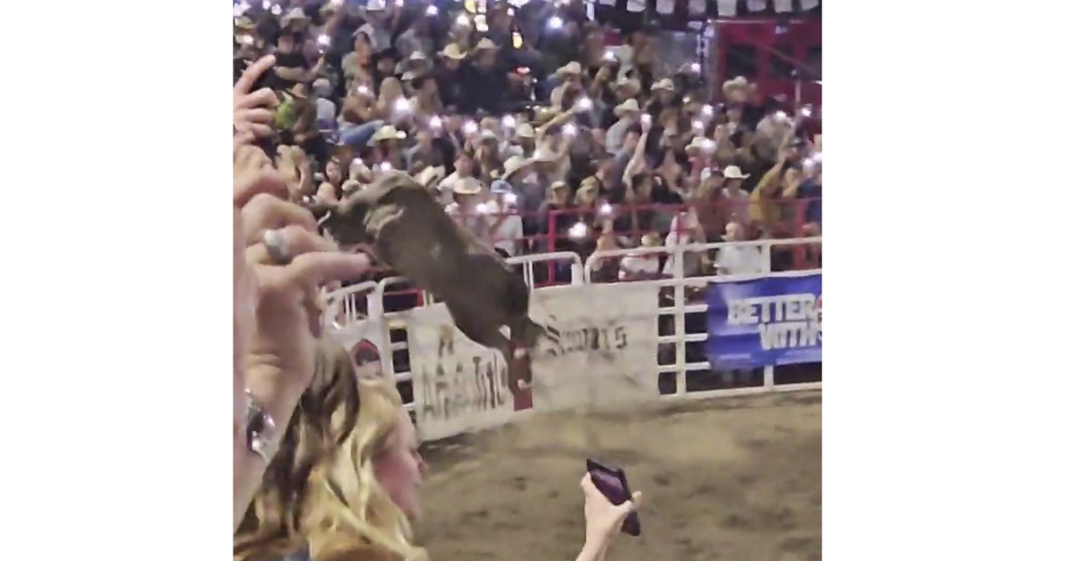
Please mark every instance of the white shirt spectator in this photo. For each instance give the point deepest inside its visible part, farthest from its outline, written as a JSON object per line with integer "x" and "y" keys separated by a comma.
{"x": 325, "y": 110}
{"x": 680, "y": 235}
{"x": 743, "y": 260}
{"x": 638, "y": 265}
{"x": 509, "y": 233}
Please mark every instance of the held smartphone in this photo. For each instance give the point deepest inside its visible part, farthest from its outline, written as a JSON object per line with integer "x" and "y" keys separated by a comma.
{"x": 612, "y": 483}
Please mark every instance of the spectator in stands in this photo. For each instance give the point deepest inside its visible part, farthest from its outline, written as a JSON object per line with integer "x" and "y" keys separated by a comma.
{"x": 642, "y": 266}
{"x": 738, "y": 260}
{"x": 735, "y": 199}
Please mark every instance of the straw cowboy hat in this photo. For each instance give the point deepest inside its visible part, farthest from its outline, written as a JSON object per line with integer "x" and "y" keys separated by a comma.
{"x": 734, "y": 172}
{"x": 430, "y": 176}
{"x": 488, "y": 135}
{"x": 700, "y": 143}
{"x": 664, "y": 84}
{"x": 735, "y": 83}
{"x": 244, "y": 23}
{"x": 627, "y": 106}
{"x": 484, "y": 45}
{"x": 294, "y": 15}
{"x": 467, "y": 186}
{"x": 524, "y": 130}
{"x": 570, "y": 69}
{"x": 514, "y": 165}
{"x": 453, "y": 51}
{"x": 388, "y": 132}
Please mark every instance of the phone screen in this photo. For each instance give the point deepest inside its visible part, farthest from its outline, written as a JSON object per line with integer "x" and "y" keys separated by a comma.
{"x": 612, "y": 483}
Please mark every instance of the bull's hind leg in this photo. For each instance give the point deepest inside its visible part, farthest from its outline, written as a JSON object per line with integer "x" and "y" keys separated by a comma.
{"x": 490, "y": 336}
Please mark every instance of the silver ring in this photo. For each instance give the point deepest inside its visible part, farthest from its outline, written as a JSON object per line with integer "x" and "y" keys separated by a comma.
{"x": 276, "y": 246}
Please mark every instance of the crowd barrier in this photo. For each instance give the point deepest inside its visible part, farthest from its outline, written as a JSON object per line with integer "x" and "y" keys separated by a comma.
{"x": 608, "y": 344}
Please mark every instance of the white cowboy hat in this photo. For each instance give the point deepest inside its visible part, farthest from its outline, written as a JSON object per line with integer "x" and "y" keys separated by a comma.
{"x": 467, "y": 186}
{"x": 375, "y": 6}
{"x": 572, "y": 68}
{"x": 524, "y": 130}
{"x": 664, "y": 84}
{"x": 484, "y": 45}
{"x": 487, "y": 134}
{"x": 513, "y": 165}
{"x": 629, "y": 105}
{"x": 296, "y": 14}
{"x": 734, "y": 172}
{"x": 388, "y": 132}
{"x": 417, "y": 55}
{"x": 737, "y": 82}
{"x": 409, "y": 76}
{"x": 701, "y": 143}
{"x": 245, "y": 23}
{"x": 429, "y": 175}
{"x": 453, "y": 51}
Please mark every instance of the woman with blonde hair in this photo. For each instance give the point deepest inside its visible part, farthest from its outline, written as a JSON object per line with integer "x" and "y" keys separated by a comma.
{"x": 343, "y": 483}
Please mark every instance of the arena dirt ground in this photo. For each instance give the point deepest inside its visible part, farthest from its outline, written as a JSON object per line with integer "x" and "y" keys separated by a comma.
{"x": 736, "y": 479}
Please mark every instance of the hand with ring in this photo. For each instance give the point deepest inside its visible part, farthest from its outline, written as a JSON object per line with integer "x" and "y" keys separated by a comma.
{"x": 288, "y": 263}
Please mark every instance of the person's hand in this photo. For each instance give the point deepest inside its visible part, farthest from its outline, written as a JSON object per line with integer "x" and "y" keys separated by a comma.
{"x": 604, "y": 519}
{"x": 288, "y": 303}
{"x": 253, "y": 111}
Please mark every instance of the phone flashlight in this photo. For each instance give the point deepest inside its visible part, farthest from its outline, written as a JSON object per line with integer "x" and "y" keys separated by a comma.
{"x": 708, "y": 110}
{"x": 432, "y": 10}
{"x": 435, "y": 122}
{"x": 584, "y": 104}
{"x": 402, "y": 105}
{"x": 510, "y": 198}
{"x": 780, "y": 115}
{"x": 606, "y": 209}
{"x": 470, "y": 127}
{"x": 266, "y": 4}
{"x": 555, "y": 22}
{"x": 647, "y": 119}
{"x": 463, "y": 20}
{"x": 578, "y": 230}
{"x": 482, "y": 208}
{"x": 608, "y": 56}
{"x": 385, "y": 166}
{"x": 508, "y": 122}
{"x": 694, "y": 67}
{"x": 400, "y": 3}
{"x": 324, "y": 40}
{"x": 698, "y": 124}
{"x": 806, "y": 111}
{"x": 248, "y": 39}
{"x": 276, "y": 9}
{"x": 570, "y": 129}
{"x": 363, "y": 89}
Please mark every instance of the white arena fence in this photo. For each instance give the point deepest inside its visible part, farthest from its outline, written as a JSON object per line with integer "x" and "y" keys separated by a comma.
{"x": 606, "y": 345}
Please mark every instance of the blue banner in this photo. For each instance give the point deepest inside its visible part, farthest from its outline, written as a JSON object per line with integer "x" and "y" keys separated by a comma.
{"x": 763, "y": 322}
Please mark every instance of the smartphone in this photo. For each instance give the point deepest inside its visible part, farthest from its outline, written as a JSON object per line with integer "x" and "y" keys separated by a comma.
{"x": 612, "y": 483}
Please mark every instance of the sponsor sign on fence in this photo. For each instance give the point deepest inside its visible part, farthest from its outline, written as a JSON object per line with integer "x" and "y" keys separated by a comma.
{"x": 768, "y": 321}
{"x": 601, "y": 340}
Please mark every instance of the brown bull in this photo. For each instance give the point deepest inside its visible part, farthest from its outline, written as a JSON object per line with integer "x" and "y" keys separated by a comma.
{"x": 411, "y": 233}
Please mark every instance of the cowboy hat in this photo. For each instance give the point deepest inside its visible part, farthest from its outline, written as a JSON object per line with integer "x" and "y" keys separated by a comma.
{"x": 375, "y": 6}
{"x": 484, "y": 44}
{"x": 734, "y": 172}
{"x": 700, "y": 143}
{"x": 487, "y": 135}
{"x": 388, "y": 132}
{"x": 467, "y": 186}
{"x": 524, "y": 130}
{"x": 244, "y": 23}
{"x": 453, "y": 51}
{"x": 514, "y": 165}
{"x": 570, "y": 69}
{"x": 664, "y": 84}
{"x": 629, "y": 105}
{"x": 738, "y": 82}
{"x": 430, "y": 175}
{"x": 296, "y": 14}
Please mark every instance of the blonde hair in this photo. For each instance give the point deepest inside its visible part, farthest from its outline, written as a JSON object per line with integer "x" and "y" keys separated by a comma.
{"x": 320, "y": 491}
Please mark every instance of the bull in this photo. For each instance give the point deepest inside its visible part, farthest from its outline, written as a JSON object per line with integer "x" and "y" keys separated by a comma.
{"x": 409, "y": 231}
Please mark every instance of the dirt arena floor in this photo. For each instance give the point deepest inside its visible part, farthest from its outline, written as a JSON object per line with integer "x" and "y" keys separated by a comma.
{"x": 736, "y": 479}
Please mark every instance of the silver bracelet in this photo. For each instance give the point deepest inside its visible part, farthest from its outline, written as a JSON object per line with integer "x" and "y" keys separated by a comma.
{"x": 259, "y": 429}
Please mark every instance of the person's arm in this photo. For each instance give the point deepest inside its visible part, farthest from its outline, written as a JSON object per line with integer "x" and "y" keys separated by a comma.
{"x": 637, "y": 161}
{"x": 557, "y": 120}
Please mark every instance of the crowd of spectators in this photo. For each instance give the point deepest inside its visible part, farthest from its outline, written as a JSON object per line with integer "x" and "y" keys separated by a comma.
{"x": 532, "y": 131}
